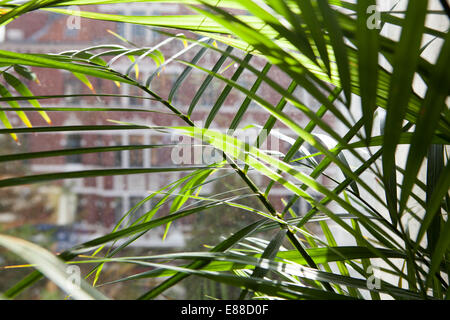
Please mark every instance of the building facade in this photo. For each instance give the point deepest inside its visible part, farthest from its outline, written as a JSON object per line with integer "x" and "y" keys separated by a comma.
{"x": 90, "y": 207}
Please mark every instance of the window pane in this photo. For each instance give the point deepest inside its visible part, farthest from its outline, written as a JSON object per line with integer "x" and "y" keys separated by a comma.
{"x": 73, "y": 141}
{"x": 118, "y": 209}
{"x": 117, "y": 154}
{"x": 136, "y": 156}
{"x": 139, "y": 212}
{"x": 138, "y": 32}
{"x": 72, "y": 86}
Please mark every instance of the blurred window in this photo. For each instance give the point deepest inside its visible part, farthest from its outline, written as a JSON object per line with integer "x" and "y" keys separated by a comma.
{"x": 73, "y": 141}
{"x": 136, "y": 156}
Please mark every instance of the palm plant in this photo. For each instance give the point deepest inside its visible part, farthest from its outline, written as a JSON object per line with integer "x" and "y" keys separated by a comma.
{"x": 334, "y": 50}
